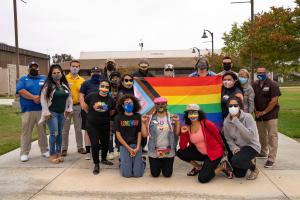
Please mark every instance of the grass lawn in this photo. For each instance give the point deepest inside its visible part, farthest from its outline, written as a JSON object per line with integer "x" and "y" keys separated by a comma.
{"x": 10, "y": 129}
{"x": 289, "y": 116}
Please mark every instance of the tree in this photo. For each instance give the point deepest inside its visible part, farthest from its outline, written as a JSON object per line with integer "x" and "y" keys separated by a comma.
{"x": 59, "y": 58}
{"x": 274, "y": 39}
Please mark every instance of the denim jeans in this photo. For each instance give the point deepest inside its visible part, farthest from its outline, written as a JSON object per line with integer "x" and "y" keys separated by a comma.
{"x": 55, "y": 125}
{"x": 131, "y": 166}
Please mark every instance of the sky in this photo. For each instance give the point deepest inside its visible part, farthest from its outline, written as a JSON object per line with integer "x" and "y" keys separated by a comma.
{"x": 72, "y": 26}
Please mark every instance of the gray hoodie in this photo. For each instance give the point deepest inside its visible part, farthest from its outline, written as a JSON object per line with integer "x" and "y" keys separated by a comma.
{"x": 241, "y": 132}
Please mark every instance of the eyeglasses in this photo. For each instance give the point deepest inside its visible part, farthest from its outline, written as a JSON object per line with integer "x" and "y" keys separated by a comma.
{"x": 233, "y": 105}
{"x": 168, "y": 70}
{"x": 128, "y": 80}
{"x": 104, "y": 86}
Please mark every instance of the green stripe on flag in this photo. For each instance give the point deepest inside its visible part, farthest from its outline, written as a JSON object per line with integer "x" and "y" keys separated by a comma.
{"x": 207, "y": 108}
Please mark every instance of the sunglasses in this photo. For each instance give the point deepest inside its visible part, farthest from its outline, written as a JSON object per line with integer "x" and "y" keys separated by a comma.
{"x": 104, "y": 86}
{"x": 233, "y": 105}
{"x": 128, "y": 80}
{"x": 168, "y": 69}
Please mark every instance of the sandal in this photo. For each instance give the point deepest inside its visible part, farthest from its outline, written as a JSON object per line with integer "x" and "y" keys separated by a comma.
{"x": 228, "y": 171}
{"x": 193, "y": 172}
{"x": 53, "y": 159}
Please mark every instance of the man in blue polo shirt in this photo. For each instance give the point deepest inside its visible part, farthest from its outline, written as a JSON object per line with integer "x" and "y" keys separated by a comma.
{"x": 29, "y": 87}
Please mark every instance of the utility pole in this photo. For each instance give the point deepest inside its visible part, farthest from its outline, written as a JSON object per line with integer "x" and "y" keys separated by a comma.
{"x": 16, "y": 41}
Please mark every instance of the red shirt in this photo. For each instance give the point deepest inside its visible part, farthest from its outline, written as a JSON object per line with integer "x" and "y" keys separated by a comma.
{"x": 213, "y": 140}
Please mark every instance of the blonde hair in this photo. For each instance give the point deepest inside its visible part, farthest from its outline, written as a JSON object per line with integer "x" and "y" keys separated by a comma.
{"x": 246, "y": 72}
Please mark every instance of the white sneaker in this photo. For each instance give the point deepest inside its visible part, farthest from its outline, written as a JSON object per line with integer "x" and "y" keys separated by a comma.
{"x": 116, "y": 154}
{"x": 46, "y": 154}
{"x": 110, "y": 156}
{"x": 87, "y": 156}
{"x": 24, "y": 158}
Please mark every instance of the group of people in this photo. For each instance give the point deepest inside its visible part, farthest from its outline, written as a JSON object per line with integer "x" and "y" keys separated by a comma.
{"x": 105, "y": 107}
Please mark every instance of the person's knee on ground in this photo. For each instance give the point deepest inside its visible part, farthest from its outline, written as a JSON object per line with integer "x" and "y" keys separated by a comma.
{"x": 239, "y": 173}
{"x": 204, "y": 177}
{"x": 167, "y": 174}
{"x": 155, "y": 172}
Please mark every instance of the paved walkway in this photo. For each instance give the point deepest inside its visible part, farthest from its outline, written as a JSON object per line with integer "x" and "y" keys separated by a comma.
{"x": 38, "y": 179}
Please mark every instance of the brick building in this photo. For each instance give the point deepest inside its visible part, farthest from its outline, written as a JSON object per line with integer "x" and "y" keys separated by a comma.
{"x": 183, "y": 60}
{"x": 8, "y": 66}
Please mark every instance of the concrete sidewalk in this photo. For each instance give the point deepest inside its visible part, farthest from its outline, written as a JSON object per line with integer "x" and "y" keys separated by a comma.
{"x": 38, "y": 179}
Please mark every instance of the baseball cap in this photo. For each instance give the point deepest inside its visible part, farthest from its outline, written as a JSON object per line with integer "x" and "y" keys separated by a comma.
{"x": 144, "y": 61}
{"x": 160, "y": 100}
{"x": 169, "y": 66}
{"x": 32, "y": 64}
{"x": 95, "y": 69}
{"x": 192, "y": 107}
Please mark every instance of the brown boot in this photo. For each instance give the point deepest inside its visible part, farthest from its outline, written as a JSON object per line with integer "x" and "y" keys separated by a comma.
{"x": 53, "y": 159}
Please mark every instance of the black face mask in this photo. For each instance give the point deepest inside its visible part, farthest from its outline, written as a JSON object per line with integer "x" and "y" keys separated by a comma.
{"x": 110, "y": 66}
{"x": 227, "y": 66}
{"x": 33, "y": 72}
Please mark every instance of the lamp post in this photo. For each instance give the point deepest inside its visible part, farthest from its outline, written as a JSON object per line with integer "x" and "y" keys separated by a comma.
{"x": 212, "y": 44}
{"x": 252, "y": 20}
{"x": 195, "y": 49}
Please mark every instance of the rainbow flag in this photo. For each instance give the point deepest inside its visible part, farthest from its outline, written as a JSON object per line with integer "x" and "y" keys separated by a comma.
{"x": 180, "y": 91}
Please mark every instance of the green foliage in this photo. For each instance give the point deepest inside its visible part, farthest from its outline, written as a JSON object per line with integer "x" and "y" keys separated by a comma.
{"x": 274, "y": 39}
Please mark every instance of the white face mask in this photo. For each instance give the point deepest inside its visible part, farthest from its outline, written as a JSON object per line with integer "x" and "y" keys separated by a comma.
{"x": 228, "y": 83}
{"x": 233, "y": 111}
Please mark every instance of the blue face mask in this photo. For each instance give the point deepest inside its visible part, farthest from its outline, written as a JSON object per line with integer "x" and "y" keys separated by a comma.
{"x": 128, "y": 107}
{"x": 243, "y": 80}
{"x": 262, "y": 77}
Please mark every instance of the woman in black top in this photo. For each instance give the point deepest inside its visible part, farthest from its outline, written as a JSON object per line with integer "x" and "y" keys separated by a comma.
{"x": 231, "y": 87}
{"x": 100, "y": 107}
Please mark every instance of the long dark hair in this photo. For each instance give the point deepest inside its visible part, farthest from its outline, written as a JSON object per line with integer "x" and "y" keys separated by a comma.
{"x": 122, "y": 79}
{"x": 136, "y": 104}
{"x": 50, "y": 82}
{"x": 237, "y": 83}
{"x": 201, "y": 116}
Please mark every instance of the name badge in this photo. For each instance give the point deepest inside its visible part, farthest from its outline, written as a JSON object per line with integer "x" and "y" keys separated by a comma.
{"x": 41, "y": 83}
{"x": 266, "y": 89}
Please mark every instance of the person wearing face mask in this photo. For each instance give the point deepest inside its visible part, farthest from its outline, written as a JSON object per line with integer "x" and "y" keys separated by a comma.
{"x": 143, "y": 70}
{"x": 101, "y": 106}
{"x": 242, "y": 137}
{"x": 128, "y": 132}
{"x": 110, "y": 66}
{"x": 202, "y": 67}
{"x": 114, "y": 79}
{"x": 227, "y": 66}
{"x": 162, "y": 129}
{"x": 267, "y": 93}
{"x": 88, "y": 87}
{"x": 169, "y": 70}
{"x": 57, "y": 104}
{"x": 29, "y": 87}
{"x": 200, "y": 141}
{"x": 248, "y": 104}
{"x": 230, "y": 87}
{"x": 126, "y": 86}
{"x": 75, "y": 81}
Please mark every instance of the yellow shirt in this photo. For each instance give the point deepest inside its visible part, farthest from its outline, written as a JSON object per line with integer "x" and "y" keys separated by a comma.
{"x": 75, "y": 85}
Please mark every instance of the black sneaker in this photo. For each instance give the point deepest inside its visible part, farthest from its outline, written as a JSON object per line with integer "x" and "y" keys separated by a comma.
{"x": 269, "y": 164}
{"x": 96, "y": 169}
{"x": 106, "y": 162}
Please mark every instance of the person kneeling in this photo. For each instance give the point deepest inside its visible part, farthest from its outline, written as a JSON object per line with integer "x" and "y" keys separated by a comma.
{"x": 242, "y": 137}
{"x": 200, "y": 141}
{"x": 163, "y": 130}
{"x": 128, "y": 132}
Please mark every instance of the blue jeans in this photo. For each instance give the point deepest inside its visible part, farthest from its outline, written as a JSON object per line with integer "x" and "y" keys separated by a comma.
{"x": 55, "y": 125}
{"x": 131, "y": 166}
